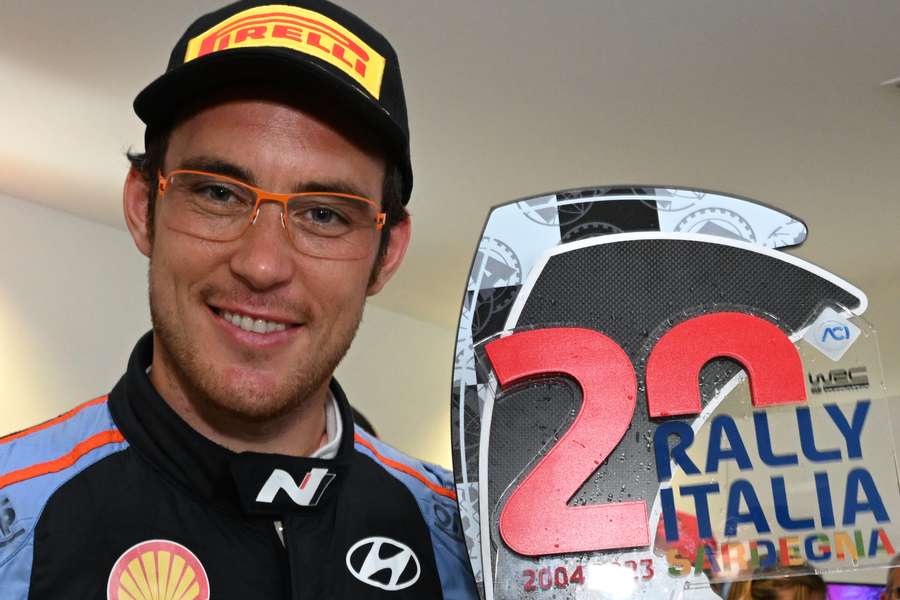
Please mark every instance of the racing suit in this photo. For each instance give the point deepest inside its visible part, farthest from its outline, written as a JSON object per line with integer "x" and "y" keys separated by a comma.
{"x": 119, "y": 498}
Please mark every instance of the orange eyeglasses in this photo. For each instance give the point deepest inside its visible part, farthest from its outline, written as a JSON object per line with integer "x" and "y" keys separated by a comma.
{"x": 221, "y": 209}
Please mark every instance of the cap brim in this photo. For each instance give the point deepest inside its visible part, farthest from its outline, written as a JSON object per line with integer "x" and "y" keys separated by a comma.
{"x": 160, "y": 102}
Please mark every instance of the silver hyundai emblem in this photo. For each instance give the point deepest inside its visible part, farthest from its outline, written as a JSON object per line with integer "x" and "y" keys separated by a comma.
{"x": 383, "y": 563}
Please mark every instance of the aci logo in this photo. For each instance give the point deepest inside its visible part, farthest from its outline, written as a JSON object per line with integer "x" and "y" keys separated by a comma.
{"x": 158, "y": 569}
{"x": 831, "y": 334}
{"x": 308, "y": 493}
{"x": 383, "y": 563}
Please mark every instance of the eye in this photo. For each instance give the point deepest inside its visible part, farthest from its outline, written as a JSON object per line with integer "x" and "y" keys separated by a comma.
{"x": 217, "y": 193}
{"x": 323, "y": 215}
{"x": 326, "y": 215}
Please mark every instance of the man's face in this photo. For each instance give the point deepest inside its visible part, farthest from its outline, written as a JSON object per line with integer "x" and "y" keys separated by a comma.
{"x": 215, "y": 364}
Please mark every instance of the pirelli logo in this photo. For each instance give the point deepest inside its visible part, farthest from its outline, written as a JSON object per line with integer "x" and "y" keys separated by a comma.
{"x": 281, "y": 26}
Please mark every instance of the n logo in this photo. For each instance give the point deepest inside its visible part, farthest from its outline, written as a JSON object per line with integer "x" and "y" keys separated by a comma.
{"x": 383, "y": 563}
{"x": 308, "y": 493}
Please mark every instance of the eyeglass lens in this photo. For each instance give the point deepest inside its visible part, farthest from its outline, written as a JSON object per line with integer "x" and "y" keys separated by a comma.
{"x": 219, "y": 209}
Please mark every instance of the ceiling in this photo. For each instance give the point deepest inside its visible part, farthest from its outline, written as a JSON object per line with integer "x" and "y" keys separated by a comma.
{"x": 777, "y": 101}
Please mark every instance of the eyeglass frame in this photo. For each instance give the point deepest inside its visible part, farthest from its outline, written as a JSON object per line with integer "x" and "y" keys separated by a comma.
{"x": 267, "y": 196}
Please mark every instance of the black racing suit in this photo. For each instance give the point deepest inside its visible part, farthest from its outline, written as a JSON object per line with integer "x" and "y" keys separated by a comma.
{"x": 120, "y": 498}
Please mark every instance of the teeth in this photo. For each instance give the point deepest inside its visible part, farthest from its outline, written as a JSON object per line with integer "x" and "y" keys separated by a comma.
{"x": 254, "y": 325}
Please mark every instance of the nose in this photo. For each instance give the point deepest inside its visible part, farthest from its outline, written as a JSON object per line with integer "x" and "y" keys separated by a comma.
{"x": 264, "y": 257}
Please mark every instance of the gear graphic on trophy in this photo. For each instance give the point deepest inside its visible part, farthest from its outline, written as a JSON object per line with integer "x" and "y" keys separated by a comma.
{"x": 790, "y": 234}
{"x": 590, "y": 229}
{"x": 464, "y": 366}
{"x": 674, "y": 200}
{"x": 496, "y": 265}
{"x": 496, "y": 277}
{"x": 541, "y": 210}
{"x": 720, "y": 222}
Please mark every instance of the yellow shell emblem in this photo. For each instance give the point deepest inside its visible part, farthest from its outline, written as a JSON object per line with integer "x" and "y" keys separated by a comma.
{"x": 158, "y": 570}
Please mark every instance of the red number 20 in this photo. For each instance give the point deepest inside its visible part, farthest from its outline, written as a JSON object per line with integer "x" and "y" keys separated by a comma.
{"x": 536, "y": 519}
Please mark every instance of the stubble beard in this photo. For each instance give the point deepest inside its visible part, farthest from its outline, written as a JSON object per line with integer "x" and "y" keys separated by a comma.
{"x": 206, "y": 390}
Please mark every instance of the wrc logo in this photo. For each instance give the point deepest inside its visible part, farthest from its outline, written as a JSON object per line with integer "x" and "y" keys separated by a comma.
{"x": 307, "y": 493}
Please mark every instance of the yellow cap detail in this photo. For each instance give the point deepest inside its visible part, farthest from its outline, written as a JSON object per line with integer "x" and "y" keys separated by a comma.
{"x": 281, "y": 26}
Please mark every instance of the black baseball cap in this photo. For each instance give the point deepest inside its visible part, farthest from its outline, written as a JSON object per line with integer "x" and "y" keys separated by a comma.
{"x": 303, "y": 45}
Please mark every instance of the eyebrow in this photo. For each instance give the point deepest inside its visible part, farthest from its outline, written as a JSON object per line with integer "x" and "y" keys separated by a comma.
{"x": 217, "y": 166}
{"x": 223, "y": 167}
{"x": 333, "y": 186}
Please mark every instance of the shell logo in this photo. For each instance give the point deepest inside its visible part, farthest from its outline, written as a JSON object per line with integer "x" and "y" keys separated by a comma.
{"x": 158, "y": 570}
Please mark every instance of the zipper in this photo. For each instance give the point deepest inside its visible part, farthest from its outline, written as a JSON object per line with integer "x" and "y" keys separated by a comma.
{"x": 279, "y": 529}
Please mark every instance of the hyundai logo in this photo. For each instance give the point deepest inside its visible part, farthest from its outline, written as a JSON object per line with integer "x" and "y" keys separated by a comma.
{"x": 383, "y": 563}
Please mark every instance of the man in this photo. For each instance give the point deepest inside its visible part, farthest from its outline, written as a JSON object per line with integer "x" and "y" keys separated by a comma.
{"x": 892, "y": 587}
{"x": 225, "y": 463}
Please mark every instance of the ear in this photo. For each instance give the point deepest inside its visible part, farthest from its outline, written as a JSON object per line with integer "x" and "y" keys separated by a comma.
{"x": 135, "y": 200}
{"x": 396, "y": 250}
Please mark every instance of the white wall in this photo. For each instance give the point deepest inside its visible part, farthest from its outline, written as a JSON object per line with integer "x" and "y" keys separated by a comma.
{"x": 73, "y": 301}
{"x": 398, "y": 373}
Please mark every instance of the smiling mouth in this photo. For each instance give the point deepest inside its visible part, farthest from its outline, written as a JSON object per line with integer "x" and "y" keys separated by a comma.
{"x": 252, "y": 324}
